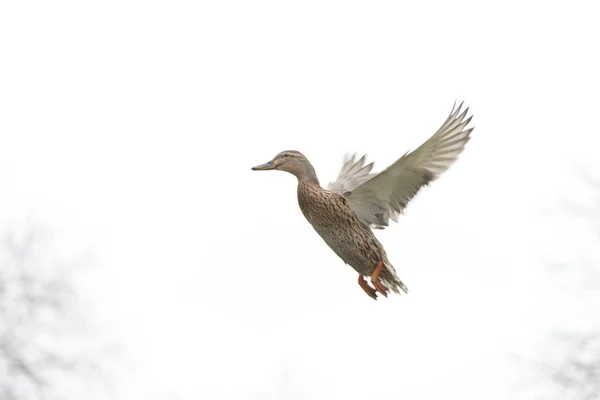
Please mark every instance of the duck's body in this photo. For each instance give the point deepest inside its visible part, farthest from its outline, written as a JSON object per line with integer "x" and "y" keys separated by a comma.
{"x": 344, "y": 213}
{"x": 354, "y": 242}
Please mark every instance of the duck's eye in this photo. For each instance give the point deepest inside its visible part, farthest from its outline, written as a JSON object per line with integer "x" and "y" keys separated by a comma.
{"x": 285, "y": 155}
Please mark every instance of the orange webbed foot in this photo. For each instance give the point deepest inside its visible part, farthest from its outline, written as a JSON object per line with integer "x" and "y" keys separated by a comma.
{"x": 376, "y": 282}
{"x": 368, "y": 289}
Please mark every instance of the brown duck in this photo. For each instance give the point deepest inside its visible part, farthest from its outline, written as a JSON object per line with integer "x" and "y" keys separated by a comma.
{"x": 345, "y": 212}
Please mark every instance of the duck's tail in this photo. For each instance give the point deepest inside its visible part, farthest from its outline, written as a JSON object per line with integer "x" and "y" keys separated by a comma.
{"x": 390, "y": 279}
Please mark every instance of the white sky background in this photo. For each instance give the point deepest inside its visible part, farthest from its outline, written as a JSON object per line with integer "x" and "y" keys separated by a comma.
{"x": 129, "y": 128}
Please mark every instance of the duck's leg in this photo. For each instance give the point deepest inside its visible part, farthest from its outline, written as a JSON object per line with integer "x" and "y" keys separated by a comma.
{"x": 368, "y": 289}
{"x": 375, "y": 279}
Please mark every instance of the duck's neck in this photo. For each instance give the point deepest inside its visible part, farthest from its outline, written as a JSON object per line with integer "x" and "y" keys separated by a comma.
{"x": 307, "y": 174}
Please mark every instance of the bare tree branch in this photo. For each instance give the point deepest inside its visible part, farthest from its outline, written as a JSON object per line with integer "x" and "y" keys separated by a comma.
{"x": 38, "y": 319}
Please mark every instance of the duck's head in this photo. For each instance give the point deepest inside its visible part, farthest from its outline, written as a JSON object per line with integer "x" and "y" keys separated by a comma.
{"x": 291, "y": 161}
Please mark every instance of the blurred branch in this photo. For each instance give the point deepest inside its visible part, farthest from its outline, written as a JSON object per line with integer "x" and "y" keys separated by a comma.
{"x": 37, "y": 319}
{"x": 16, "y": 362}
{"x": 576, "y": 372}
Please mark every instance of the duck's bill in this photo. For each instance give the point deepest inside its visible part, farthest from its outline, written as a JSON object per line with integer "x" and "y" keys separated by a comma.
{"x": 264, "y": 167}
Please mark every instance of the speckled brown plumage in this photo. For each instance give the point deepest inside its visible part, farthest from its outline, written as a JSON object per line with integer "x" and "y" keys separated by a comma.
{"x": 344, "y": 213}
{"x": 353, "y": 241}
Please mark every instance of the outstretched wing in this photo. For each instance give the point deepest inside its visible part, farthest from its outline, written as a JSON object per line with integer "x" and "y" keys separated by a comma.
{"x": 354, "y": 172}
{"x": 385, "y": 195}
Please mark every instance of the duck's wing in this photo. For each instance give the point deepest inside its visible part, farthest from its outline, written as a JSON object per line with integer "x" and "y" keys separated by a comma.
{"x": 386, "y": 194}
{"x": 354, "y": 172}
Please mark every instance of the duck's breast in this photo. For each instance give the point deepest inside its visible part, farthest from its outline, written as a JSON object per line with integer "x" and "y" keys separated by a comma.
{"x": 336, "y": 223}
